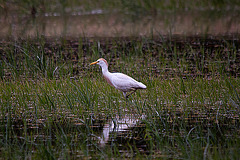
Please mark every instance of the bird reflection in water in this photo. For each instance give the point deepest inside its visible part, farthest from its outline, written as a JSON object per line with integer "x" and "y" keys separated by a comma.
{"x": 117, "y": 125}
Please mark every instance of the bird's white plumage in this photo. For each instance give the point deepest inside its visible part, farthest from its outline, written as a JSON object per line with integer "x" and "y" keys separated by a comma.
{"x": 120, "y": 81}
{"x": 125, "y": 83}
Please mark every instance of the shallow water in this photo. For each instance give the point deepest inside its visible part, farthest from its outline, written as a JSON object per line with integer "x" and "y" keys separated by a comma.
{"x": 129, "y": 130}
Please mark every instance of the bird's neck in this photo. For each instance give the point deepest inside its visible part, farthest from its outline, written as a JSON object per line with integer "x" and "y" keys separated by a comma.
{"x": 105, "y": 70}
{"x": 107, "y": 75}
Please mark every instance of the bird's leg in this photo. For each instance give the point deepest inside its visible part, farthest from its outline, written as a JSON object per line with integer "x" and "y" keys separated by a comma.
{"x": 124, "y": 94}
{"x": 130, "y": 93}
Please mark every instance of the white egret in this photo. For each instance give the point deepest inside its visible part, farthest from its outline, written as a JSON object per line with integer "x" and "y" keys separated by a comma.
{"x": 120, "y": 81}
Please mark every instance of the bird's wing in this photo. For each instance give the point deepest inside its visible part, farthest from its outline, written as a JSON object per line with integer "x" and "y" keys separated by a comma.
{"x": 124, "y": 82}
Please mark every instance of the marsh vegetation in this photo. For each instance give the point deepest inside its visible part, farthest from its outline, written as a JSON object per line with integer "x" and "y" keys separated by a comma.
{"x": 54, "y": 105}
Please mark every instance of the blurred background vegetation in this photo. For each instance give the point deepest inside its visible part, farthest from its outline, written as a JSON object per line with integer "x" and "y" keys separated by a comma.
{"x": 118, "y": 18}
{"x": 136, "y": 7}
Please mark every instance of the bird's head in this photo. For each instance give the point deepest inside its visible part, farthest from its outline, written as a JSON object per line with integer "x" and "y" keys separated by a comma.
{"x": 101, "y": 62}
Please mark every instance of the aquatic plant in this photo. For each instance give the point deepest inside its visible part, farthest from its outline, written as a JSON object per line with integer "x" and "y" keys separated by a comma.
{"x": 54, "y": 106}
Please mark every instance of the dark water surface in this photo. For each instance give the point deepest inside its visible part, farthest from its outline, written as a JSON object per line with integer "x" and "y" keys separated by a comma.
{"x": 128, "y": 131}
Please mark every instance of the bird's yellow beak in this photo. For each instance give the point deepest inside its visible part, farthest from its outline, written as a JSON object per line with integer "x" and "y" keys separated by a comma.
{"x": 94, "y": 63}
